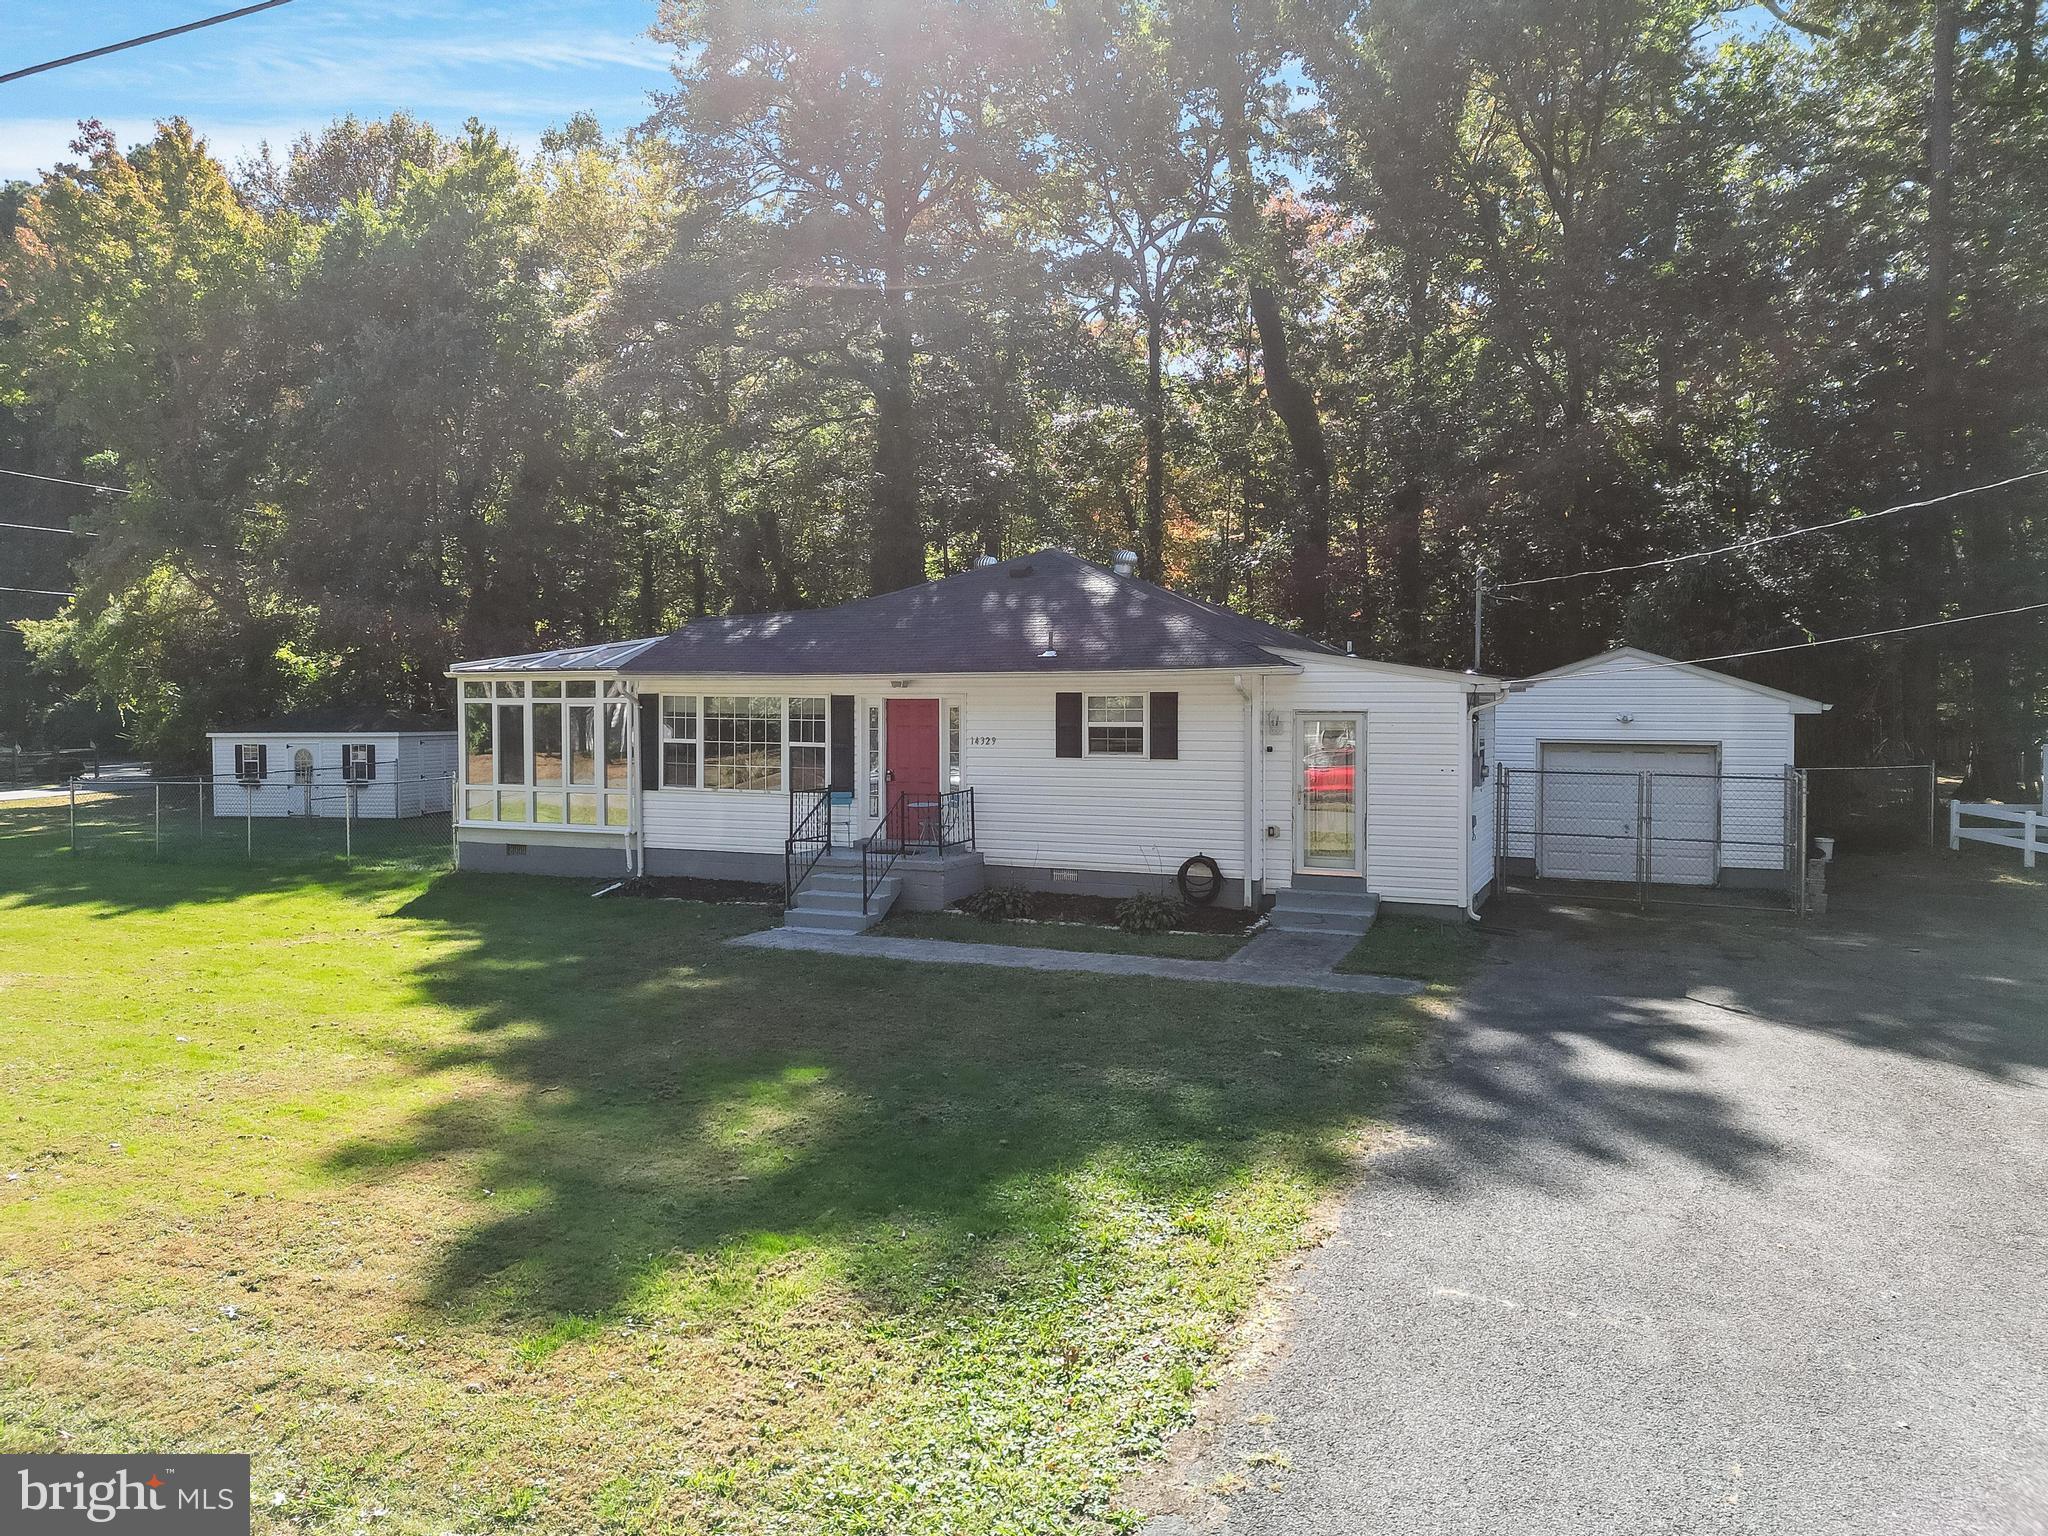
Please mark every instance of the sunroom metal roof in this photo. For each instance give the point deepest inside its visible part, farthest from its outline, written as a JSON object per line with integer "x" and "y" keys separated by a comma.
{"x": 573, "y": 658}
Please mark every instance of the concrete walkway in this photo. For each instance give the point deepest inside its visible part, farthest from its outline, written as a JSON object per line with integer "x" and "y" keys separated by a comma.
{"x": 1017, "y": 957}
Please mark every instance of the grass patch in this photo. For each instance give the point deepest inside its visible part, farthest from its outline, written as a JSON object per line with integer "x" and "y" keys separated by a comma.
{"x": 467, "y": 1201}
{"x": 1421, "y": 948}
{"x": 1085, "y": 937}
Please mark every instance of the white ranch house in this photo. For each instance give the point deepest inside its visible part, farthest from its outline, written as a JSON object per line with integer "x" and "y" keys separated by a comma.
{"x": 1630, "y": 756}
{"x": 389, "y": 763}
{"x": 1040, "y": 720}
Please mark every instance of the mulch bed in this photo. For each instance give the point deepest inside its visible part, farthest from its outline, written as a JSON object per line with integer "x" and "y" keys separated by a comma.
{"x": 1101, "y": 911}
{"x": 685, "y": 888}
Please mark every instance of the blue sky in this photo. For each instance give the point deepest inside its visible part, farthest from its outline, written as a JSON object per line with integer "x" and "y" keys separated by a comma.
{"x": 518, "y": 66}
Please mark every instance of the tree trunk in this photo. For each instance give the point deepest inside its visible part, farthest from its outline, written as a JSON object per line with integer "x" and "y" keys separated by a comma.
{"x": 1291, "y": 401}
{"x": 1152, "y": 528}
{"x": 896, "y": 556}
{"x": 650, "y": 610}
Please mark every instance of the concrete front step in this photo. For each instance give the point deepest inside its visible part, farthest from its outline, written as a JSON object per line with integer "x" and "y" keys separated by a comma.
{"x": 1325, "y": 900}
{"x": 817, "y": 920}
{"x": 1321, "y": 909}
{"x": 830, "y": 902}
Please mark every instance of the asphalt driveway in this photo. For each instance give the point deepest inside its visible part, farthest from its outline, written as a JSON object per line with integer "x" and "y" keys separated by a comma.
{"x": 1736, "y": 1225}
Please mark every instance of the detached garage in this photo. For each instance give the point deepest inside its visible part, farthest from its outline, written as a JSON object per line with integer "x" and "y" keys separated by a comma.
{"x": 1629, "y": 766}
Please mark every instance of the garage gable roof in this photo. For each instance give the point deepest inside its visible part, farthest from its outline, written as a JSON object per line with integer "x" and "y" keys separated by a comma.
{"x": 1798, "y": 704}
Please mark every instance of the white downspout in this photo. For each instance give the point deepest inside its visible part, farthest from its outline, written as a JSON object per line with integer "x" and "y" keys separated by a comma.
{"x": 1251, "y": 746}
{"x": 635, "y": 852}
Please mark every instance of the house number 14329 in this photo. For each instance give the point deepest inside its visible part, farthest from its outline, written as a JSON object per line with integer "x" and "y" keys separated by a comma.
{"x": 981, "y": 741}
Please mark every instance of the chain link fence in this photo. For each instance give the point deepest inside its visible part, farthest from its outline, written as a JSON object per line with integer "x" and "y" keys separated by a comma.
{"x": 385, "y": 821}
{"x": 1699, "y": 839}
{"x": 1875, "y": 809}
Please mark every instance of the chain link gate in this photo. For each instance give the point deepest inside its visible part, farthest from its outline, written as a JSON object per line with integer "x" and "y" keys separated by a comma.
{"x": 1700, "y": 839}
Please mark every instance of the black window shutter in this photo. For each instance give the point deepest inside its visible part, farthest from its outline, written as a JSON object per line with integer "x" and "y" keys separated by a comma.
{"x": 1165, "y": 725}
{"x": 262, "y": 761}
{"x": 1066, "y": 725}
{"x": 370, "y": 768}
{"x": 842, "y": 741}
{"x": 650, "y": 741}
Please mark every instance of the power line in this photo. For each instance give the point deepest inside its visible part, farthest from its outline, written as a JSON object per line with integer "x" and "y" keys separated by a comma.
{"x": 76, "y": 533}
{"x": 137, "y": 42}
{"x": 1770, "y": 538}
{"x": 83, "y": 485}
{"x": 1808, "y": 645}
{"x": 38, "y": 592}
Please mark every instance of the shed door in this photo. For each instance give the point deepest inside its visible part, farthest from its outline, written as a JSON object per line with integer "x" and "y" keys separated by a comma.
{"x": 1593, "y": 801}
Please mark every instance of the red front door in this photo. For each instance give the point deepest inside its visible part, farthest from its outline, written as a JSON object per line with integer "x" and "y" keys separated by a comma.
{"x": 914, "y": 760}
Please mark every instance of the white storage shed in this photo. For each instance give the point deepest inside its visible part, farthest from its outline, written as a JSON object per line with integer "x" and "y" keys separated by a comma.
{"x": 391, "y": 763}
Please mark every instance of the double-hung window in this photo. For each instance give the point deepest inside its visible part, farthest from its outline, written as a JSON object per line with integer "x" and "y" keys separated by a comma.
{"x": 1116, "y": 725}
{"x": 808, "y": 768}
{"x": 742, "y": 742}
{"x": 248, "y": 762}
{"x": 678, "y": 741}
{"x": 358, "y": 762}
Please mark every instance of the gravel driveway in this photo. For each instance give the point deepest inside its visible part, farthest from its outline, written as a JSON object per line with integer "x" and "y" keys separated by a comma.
{"x": 1729, "y": 1225}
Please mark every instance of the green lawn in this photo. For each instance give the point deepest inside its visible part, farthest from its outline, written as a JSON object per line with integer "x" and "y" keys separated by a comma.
{"x": 1426, "y": 949}
{"x": 1088, "y": 937}
{"x": 488, "y": 1206}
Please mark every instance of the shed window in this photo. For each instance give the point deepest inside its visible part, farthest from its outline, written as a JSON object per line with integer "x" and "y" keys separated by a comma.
{"x": 358, "y": 762}
{"x": 248, "y": 761}
{"x": 1116, "y": 725}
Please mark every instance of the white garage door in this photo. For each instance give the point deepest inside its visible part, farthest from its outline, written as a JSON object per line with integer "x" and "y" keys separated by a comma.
{"x": 1593, "y": 799}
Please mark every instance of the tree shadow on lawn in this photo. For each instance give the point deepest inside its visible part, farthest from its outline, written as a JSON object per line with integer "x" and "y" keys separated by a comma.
{"x": 684, "y": 1108}
{"x": 37, "y": 869}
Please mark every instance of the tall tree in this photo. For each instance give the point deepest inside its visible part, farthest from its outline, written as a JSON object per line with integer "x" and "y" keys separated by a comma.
{"x": 144, "y": 299}
{"x": 1135, "y": 199}
{"x": 865, "y": 134}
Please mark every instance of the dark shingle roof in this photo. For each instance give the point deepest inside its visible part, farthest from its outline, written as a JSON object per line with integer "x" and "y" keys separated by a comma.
{"x": 1045, "y": 612}
{"x": 343, "y": 719}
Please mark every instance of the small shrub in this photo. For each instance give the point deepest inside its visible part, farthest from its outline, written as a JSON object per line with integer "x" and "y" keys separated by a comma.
{"x": 1146, "y": 913}
{"x": 999, "y": 903}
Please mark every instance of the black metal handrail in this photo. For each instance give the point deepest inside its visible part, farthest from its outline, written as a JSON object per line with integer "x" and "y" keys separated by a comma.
{"x": 953, "y": 824}
{"x": 809, "y": 840}
{"x": 927, "y": 824}
{"x": 880, "y": 850}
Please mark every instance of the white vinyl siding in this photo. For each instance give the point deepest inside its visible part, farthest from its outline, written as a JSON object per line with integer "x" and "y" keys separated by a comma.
{"x": 1665, "y": 707}
{"x": 1032, "y": 808}
{"x": 1416, "y": 842}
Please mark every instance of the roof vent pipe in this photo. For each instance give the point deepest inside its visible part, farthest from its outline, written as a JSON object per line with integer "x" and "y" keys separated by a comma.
{"x": 983, "y": 562}
{"x": 1124, "y": 562}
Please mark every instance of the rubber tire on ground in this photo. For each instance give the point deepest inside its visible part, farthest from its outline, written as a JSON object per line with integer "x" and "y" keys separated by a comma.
{"x": 1204, "y": 889}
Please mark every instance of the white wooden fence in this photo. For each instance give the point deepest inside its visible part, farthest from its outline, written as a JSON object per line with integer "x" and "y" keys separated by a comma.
{"x": 2016, "y": 826}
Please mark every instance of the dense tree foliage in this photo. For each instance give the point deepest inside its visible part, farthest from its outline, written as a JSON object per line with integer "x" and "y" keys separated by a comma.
{"x": 1320, "y": 305}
